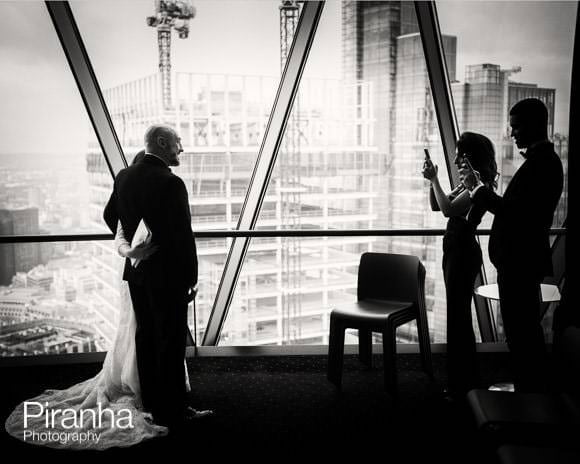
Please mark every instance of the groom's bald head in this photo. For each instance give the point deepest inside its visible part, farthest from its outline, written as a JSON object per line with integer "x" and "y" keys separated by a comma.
{"x": 157, "y": 136}
{"x": 163, "y": 141}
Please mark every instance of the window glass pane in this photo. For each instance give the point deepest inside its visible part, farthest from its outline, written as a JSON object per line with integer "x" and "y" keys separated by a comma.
{"x": 351, "y": 158}
{"x": 45, "y": 160}
{"x": 224, "y": 76}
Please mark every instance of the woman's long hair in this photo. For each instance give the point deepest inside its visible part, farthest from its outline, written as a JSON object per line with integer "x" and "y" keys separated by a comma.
{"x": 478, "y": 149}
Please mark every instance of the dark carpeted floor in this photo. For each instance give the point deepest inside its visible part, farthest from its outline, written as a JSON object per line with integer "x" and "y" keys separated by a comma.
{"x": 278, "y": 406}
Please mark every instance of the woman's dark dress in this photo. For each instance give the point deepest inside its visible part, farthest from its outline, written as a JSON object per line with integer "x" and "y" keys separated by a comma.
{"x": 462, "y": 261}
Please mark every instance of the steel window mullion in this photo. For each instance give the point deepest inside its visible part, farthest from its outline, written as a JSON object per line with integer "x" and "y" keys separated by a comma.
{"x": 80, "y": 65}
{"x": 445, "y": 110}
{"x": 273, "y": 135}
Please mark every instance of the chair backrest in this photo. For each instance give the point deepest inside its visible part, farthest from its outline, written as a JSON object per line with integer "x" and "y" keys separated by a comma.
{"x": 391, "y": 277}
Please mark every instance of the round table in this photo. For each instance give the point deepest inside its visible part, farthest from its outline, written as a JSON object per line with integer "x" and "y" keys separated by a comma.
{"x": 550, "y": 293}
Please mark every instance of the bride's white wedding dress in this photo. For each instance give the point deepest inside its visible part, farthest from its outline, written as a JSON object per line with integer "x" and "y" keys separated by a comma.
{"x": 115, "y": 387}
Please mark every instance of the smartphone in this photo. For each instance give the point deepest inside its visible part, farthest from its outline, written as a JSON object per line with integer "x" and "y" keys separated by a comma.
{"x": 468, "y": 164}
{"x": 427, "y": 155}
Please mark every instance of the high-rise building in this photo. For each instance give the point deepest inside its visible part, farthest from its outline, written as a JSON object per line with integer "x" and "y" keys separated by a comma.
{"x": 18, "y": 257}
{"x": 369, "y": 53}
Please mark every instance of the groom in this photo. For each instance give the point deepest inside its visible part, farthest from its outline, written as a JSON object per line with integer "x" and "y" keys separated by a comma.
{"x": 519, "y": 245}
{"x": 162, "y": 285}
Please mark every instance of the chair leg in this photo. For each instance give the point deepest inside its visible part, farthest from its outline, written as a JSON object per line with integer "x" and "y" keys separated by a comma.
{"x": 335, "y": 352}
{"x": 365, "y": 347}
{"x": 425, "y": 344}
{"x": 390, "y": 359}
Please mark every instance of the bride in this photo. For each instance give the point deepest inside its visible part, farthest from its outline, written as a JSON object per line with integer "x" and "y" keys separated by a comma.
{"x": 104, "y": 411}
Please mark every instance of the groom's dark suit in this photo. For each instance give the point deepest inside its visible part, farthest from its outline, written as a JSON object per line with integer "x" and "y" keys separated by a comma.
{"x": 519, "y": 248}
{"x": 149, "y": 190}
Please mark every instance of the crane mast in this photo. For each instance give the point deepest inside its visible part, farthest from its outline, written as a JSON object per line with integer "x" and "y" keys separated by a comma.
{"x": 290, "y": 188}
{"x": 169, "y": 14}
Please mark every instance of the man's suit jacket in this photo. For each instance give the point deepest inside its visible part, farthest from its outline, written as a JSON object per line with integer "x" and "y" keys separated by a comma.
{"x": 523, "y": 216}
{"x": 149, "y": 190}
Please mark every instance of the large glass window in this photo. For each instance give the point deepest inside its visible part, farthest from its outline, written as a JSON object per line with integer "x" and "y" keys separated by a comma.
{"x": 350, "y": 159}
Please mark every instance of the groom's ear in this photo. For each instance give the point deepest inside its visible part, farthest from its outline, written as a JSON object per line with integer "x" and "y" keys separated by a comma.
{"x": 161, "y": 141}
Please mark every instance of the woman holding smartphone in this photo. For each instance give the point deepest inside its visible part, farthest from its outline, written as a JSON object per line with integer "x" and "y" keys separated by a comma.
{"x": 461, "y": 256}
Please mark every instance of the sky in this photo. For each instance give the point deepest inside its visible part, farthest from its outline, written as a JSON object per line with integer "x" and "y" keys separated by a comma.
{"x": 42, "y": 111}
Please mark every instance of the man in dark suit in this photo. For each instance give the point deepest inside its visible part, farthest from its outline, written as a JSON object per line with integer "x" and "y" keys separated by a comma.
{"x": 162, "y": 285}
{"x": 519, "y": 245}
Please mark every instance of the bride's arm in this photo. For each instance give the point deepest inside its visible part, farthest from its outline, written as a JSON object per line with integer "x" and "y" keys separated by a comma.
{"x": 122, "y": 246}
{"x": 141, "y": 251}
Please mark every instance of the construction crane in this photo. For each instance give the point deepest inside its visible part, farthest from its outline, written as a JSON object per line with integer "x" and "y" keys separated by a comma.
{"x": 169, "y": 14}
{"x": 289, "y": 14}
{"x": 290, "y": 188}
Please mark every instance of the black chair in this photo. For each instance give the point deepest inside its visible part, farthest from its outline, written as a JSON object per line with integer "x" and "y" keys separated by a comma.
{"x": 390, "y": 293}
